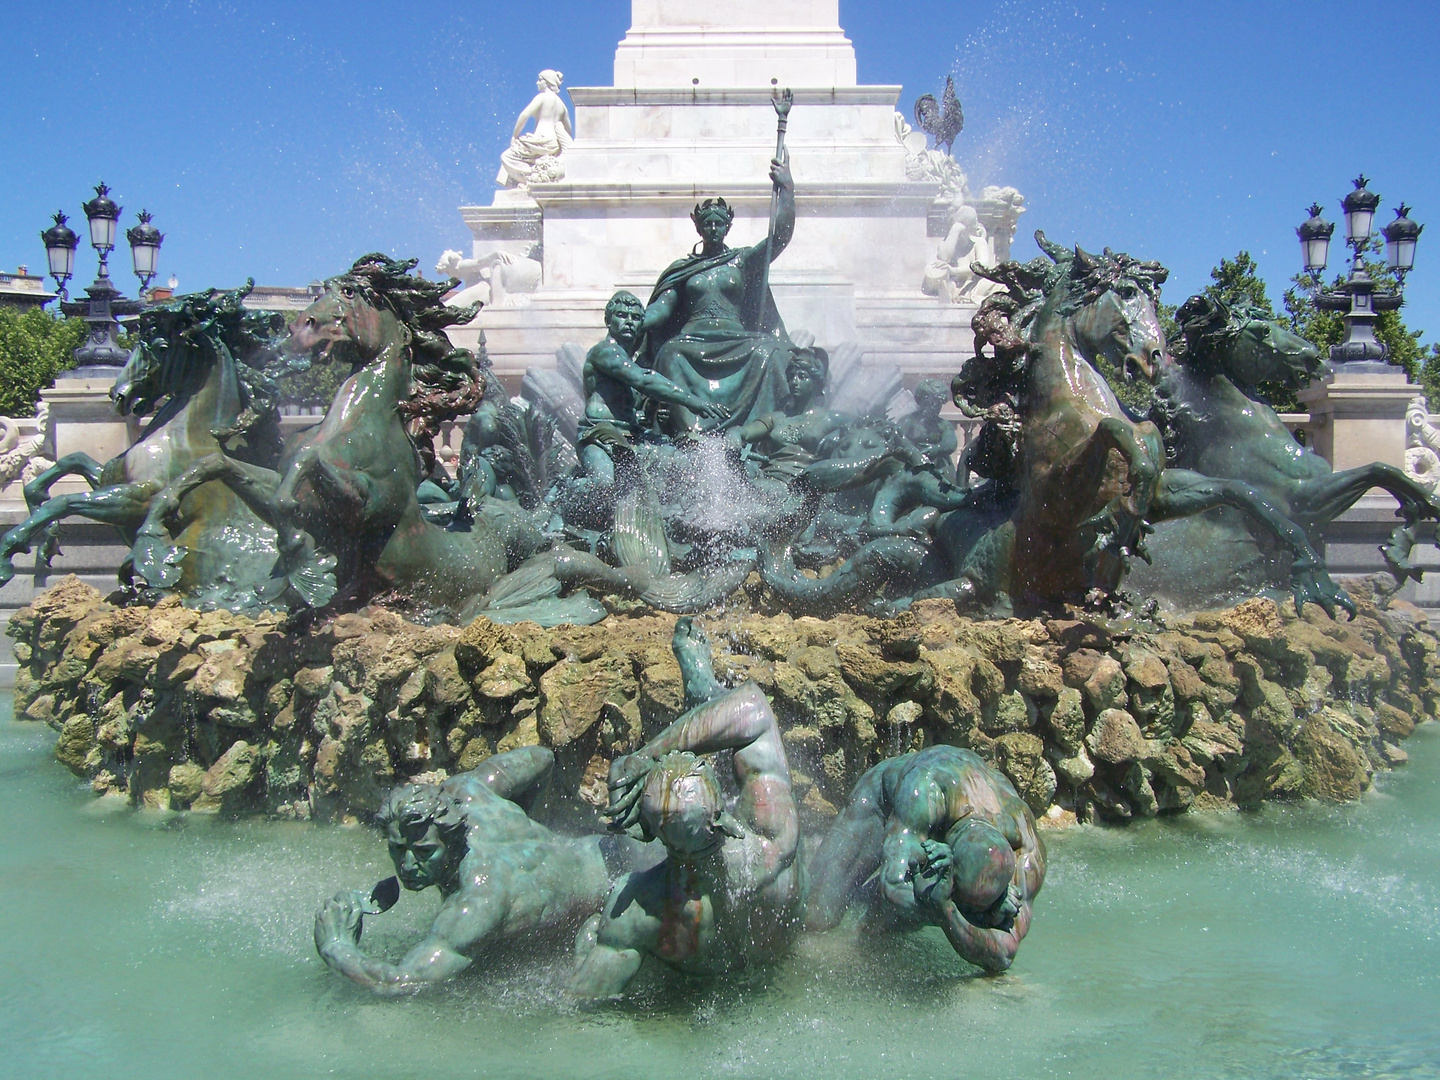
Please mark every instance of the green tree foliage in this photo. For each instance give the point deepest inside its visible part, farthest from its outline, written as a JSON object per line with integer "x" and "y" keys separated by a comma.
{"x": 314, "y": 387}
{"x": 34, "y": 347}
{"x": 1238, "y": 281}
{"x": 1134, "y": 393}
{"x": 1430, "y": 376}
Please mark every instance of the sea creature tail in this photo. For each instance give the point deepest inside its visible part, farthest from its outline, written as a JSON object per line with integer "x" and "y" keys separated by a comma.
{"x": 639, "y": 534}
{"x": 639, "y": 544}
{"x": 531, "y": 593}
{"x": 686, "y": 594}
{"x": 888, "y": 558}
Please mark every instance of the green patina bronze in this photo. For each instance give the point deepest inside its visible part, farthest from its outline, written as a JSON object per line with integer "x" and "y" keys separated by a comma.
{"x": 200, "y": 366}
{"x": 504, "y": 876}
{"x": 1075, "y": 481}
{"x": 702, "y": 890}
{"x": 1214, "y": 424}
{"x": 950, "y": 842}
{"x": 1077, "y": 523}
{"x": 342, "y": 498}
{"x": 711, "y": 326}
{"x": 614, "y": 384}
{"x": 705, "y": 446}
{"x": 729, "y": 889}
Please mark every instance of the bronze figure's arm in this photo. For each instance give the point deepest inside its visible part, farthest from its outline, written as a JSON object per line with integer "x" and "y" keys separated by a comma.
{"x": 742, "y": 720}
{"x": 990, "y": 947}
{"x": 660, "y": 310}
{"x": 784, "y": 228}
{"x": 611, "y": 361}
{"x": 466, "y": 918}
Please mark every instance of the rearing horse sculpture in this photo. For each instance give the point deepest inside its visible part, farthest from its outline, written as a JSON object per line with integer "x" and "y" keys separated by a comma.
{"x": 1213, "y": 423}
{"x": 1094, "y": 479}
{"x": 342, "y": 499}
{"x": 1083, "y": 481}
{"x": 204, "y": 356}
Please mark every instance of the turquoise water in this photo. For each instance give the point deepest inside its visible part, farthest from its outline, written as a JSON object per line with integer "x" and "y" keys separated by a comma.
{"x": 1298, "y": 942}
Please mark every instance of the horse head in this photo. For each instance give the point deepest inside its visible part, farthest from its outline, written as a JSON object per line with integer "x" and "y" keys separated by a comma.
{"x": 179, "y": 343}
{"x": 1114, "y": 311}
{"x": 350, "y": 321}
{"x": 1243, "y": 343}
{"x": 140, "y": 383}
{"x": 175, "y": 345}
{"x": 378, "y": 310}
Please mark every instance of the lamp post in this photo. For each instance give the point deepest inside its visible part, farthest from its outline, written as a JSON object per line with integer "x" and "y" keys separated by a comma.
{"x": 1357, "y": 297}
{"x": 105, "y": 302}
{"x": 60, "y": 244}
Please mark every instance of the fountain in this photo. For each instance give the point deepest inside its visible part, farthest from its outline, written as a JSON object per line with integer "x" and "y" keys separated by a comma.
{"x": 717, "y": 634}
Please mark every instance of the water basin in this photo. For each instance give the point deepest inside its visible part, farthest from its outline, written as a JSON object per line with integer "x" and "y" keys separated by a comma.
{"x": 1300, "y": 941}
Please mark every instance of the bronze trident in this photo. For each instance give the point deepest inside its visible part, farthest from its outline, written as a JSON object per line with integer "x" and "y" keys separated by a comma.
{"x": 782, "y": 100}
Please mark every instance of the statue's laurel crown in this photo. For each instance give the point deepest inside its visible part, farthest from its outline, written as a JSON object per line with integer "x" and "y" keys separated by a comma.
{"x": 710, "y": 208}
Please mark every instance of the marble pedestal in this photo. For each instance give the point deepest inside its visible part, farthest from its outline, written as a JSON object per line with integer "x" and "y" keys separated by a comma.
{"x": 1357, "y": 414}
{"x": 690, "y": 116}
{"x": 83, "y": 419}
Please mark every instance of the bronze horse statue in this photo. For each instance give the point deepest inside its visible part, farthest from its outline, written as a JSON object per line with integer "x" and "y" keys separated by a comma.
{"x": 1076, "y": 482}
{"x": 342, "y": 497}
{"x": 1214, "y": 422}
{"x": 203, "y": 360}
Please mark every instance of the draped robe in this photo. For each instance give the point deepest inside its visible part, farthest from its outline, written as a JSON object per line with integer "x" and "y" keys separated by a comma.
{"x": 741, "y": 366}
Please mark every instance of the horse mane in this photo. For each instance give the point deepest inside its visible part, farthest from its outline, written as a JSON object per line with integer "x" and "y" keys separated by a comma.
{"x": 1072, "y": 279}
{"x": 991, "y": 384}
{"x": 445, "y": 382}
{"x": 1001, "y": 325}
{"x": 1208, "y": 326}
{"x": 1090, "y": 277}
{"x": 181, "y": 330}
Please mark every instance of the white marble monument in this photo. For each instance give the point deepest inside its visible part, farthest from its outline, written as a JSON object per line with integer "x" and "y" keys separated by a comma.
{"x": 690, "y": 116}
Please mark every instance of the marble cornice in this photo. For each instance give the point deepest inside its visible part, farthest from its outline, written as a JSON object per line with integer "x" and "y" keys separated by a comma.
{"x": 602, "y": 96}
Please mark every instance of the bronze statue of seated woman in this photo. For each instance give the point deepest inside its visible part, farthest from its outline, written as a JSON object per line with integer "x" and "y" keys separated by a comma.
{"x": 711, "y": 325}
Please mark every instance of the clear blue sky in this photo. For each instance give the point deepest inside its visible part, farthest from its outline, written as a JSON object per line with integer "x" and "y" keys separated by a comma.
{"x": 283, "y": 140}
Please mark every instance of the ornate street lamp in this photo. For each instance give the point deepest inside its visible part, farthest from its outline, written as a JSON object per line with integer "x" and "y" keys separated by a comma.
{"x": 60, "y": 243}
{"x": 105, "y": 303}
{"x": 1359, "y": 207}
{"x": 102, "y": 213}
{"x": 1315, "y": 241}
{"x": 145, "y": 240}
{"x": 1357, "y": 296}
{"x": 1400, "y": 236}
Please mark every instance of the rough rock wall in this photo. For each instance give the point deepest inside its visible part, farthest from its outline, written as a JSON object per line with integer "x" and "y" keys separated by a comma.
{"x": 215, "y": 711}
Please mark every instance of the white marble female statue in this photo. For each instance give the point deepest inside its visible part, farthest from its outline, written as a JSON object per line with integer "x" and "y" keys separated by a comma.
{"x": 535, "y": 157}
{"x": 949, "y": 276}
